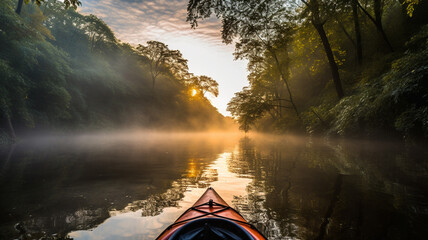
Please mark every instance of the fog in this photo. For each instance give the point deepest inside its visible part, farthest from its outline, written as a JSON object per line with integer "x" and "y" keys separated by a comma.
{"x": 136, "y": 182}
{"x": 142, "y": 137}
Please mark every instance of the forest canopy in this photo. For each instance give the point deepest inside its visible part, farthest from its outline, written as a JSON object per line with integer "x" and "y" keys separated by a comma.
{"x": 60, "y": 70}
{"x": 348, "y": 67}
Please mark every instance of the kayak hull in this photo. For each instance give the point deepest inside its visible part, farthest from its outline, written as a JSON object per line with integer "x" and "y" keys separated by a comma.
{"x": 210, "y": 208}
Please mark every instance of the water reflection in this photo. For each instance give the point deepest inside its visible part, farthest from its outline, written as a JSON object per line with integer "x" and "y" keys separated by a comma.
{"x": 341, "y": 190}
{"x": 61, "y": 185}
{"x": 146, "y": 219}
{"x": 290, "y": 188}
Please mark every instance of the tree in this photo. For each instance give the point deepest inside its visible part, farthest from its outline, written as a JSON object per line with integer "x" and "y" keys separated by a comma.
{"x": 317, "y": 12}
{"x": 205, "y": 84}
{"x": 68, "y": 3}
{"x": 50, "y": 78}
{"x": 252, "y": 17}
{"x": 99, "y": 33}
{"x": 378, "y": 7}
{"x": 162, "y": 60}
{"x": 357, "y": 28}
{"x": 177, "y": 65}
{"x": 266, "y": 81}
{"x": 247, "y": 106}
{"x": 342, "y": 10}
{"x": 260, "y": 26}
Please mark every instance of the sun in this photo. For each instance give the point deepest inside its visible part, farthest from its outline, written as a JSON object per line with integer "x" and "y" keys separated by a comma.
{"x": 194, "y": 92}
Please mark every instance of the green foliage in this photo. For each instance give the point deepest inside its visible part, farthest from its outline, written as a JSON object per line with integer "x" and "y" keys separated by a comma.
{"x": 299, "y": 46}
{"x": 395, "y": 101}
{"x": 262, "y": 31}
{"x": 63, "y": 70}
{"x": 248, "y": 107}
{"x": 161, "y": 60}
{"x": 13, "y": 93}
{"x": 100, "y": 35}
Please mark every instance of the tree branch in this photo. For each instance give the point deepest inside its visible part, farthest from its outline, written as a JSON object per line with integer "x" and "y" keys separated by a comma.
{"x": 367, "y": 13}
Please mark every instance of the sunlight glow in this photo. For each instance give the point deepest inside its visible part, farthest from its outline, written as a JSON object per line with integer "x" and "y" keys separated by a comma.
{"x": 194, "y": 92}
{"x": 203, "y": 47}
{"x": 213, "y": 59}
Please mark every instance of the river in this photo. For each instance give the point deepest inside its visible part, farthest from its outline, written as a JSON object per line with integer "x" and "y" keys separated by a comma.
{"x": 133, "y": 185}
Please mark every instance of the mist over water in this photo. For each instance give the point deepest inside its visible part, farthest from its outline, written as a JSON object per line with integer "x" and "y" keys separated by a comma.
{"x": 131, "y": 185}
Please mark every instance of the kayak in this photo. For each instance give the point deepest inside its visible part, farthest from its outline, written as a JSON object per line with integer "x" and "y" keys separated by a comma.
{"x": 211, "y": 218}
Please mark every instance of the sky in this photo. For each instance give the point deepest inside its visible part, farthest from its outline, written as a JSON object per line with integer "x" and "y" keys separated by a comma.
{"x": 138, "y": 21}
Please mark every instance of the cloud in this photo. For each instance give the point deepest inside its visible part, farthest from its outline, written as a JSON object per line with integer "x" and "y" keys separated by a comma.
{"x": 137, "y": 21}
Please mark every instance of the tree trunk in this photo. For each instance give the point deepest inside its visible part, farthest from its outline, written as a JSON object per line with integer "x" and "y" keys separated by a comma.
{"x": 378, "y": 17}
{"x": 346, "y": 33}
{"x": 333, "y": 66}
{"x": 359, "y": 46}
{"x": 377, "y": 21}
{"x": 319, "y": 26}
{"x": 278, "y": 65}
{"x": 19, "y": 8}
{"x": 385, "y": 38}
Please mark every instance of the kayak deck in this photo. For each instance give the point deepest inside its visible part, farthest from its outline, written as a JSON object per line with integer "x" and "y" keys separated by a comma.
{"x": 211, "y": 215}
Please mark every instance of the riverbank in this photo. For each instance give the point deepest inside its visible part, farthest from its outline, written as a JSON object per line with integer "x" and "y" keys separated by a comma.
{"x": 389, "y": 98}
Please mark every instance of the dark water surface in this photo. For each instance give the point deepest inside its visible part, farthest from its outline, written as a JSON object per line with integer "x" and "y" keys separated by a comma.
{"x": 133, "y": 186}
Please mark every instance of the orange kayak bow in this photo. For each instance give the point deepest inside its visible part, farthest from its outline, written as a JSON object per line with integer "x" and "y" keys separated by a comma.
{"x": 211, "y": 218}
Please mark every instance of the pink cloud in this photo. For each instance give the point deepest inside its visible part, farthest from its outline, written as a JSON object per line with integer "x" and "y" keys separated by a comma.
{"x": 136, "y": 21}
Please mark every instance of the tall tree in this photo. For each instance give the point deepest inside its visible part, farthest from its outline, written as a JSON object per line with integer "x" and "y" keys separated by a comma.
{"x": 162, "y": 60}
{"x": 378, "y": 7}
{"x": 357, "y": 29}
{"x": 343, "y": 7}
{"x": 317, "y": 12}
{"x": 261, "y": 28}
{"x": 242, "y": 17}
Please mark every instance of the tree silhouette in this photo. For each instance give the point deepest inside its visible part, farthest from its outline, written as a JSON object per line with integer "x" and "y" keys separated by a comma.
{"x": 162, "y": 60}
{"x": 205, "y": 84}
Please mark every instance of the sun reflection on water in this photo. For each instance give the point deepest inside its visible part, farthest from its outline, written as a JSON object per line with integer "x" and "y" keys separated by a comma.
{"x": 145, "y": 219}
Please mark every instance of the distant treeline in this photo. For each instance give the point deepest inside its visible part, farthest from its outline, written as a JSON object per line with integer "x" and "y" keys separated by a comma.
{"x": 346, "y": 67}
{"x": 63, "y": 70}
